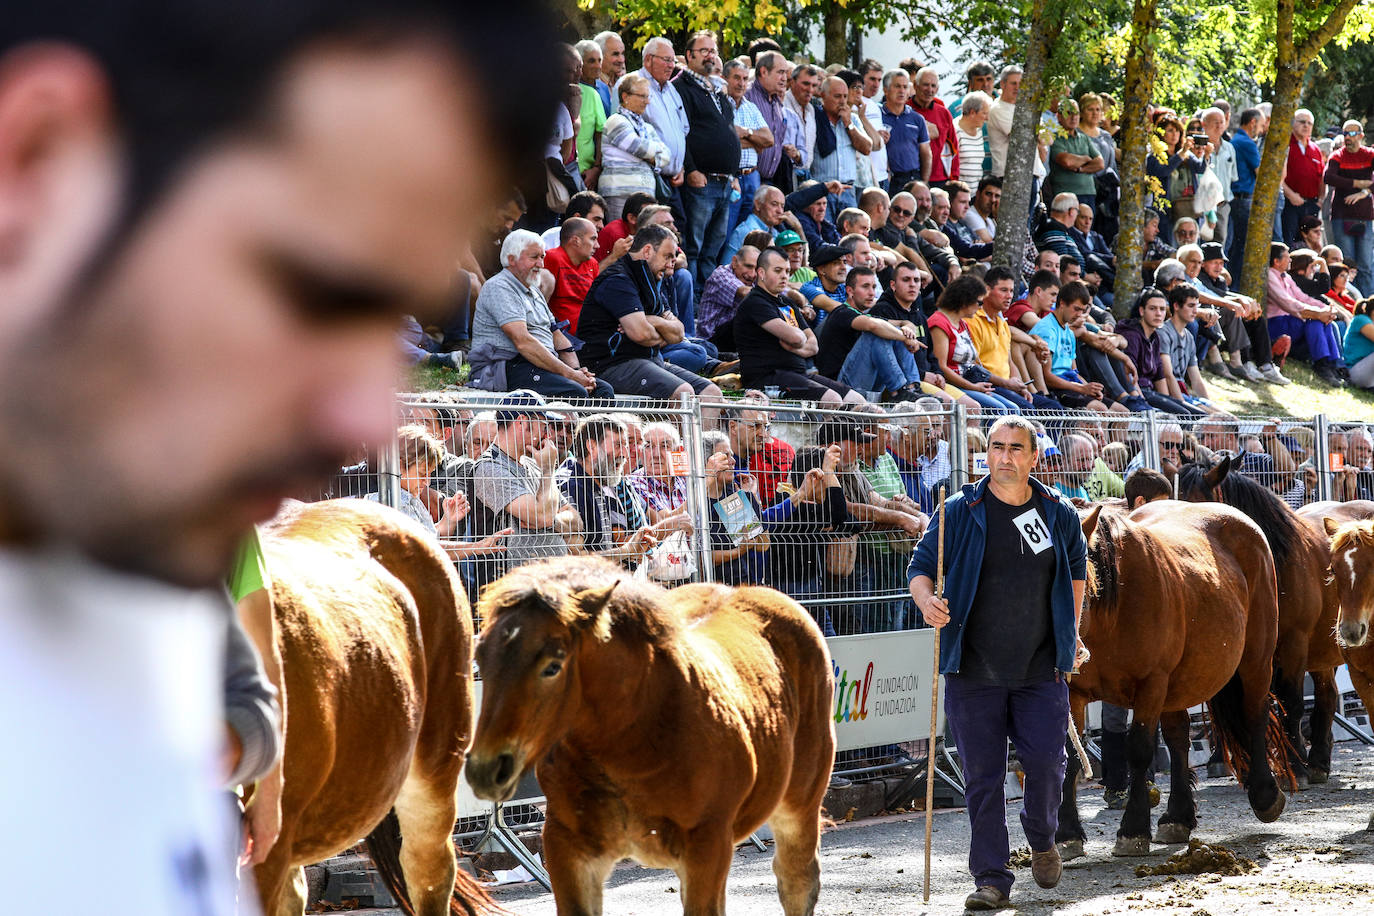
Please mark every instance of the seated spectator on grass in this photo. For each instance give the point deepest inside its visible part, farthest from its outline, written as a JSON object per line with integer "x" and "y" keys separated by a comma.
{"x": 981, "y": 218}
{"x": 736, "y": 560}
{"x": 1041, "y": 294}
{"x": 954, "y": 349}
{"x": 1056, "y": 327}
{"x": 756, "y": 449}
{"x": 1177, "y": 345}
{"x": 1100, "y": 258}
{"x": 1053, "y": 231}
{"x": 587, "y": 205}
{"x": 774, "y": 340}
{"x": 767, "y": 216}
{"x": 826, "y": 293}
{"x": 725, "y": 290}
{"x": 588, "y": 479}
{"x": 961, "y": 238}
{"x": 573, "y": 269}
{"x": 995, "y": 339}
{"x": 868, "y": 353}
{"x": 626, "y": 321}
{"x": 1304, "y": 319}
{"x": 808, "y": 204}
{"x": 516, "y": 343}
{"x": 1359, "y": 345}
{"x": 613, "y": 242}
{"x": 1155, "y": 378}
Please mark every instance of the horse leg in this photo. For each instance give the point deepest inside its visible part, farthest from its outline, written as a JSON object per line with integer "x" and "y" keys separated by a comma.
{"x": 577, "y": 872}
{"x": 1325, "y": 700}
{"x": 1287, "y": 687}
{"x": 1180, "y": 817}
{"x": 1133, "y": 837}
{"x": 797, "y": 858}
{"x": 425, "y": 814}
{"x": 704, "y": 870}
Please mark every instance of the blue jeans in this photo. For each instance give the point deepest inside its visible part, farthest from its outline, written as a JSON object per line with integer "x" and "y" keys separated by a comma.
{"x": 684, "y": 301}
{"x": 740, "y": 209}
{"x": 837, "y": 202}
{"x": 877, "y": 364}
{"x": 690, "y": 354}
{"x": 707, "y": 210}
{"x": 1358, "y": 250}
{"x": 991, "y": 403}
{"x": 1319, "y": 338}
{"x": 1236, "y": 233}
{"x": 981, "y": 719}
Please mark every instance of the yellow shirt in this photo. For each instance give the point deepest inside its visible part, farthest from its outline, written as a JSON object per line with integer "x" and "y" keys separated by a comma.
{"x": 992, "y": 337}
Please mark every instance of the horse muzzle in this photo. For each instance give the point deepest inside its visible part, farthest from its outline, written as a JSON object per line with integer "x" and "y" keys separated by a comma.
{"x": 494, "y": 777}
{"x": 1353, "y": 633}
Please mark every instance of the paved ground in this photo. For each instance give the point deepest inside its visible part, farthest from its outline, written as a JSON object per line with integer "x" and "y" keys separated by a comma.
{"x": 1317, "y": 859}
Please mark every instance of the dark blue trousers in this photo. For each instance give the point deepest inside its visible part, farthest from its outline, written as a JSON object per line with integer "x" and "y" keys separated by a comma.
{"x": 981, "y": 719}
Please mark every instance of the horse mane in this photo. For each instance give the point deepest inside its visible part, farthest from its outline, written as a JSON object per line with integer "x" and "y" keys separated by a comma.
{"x": 635, "y": 608}
{"x": 1353, "y": 534}
{"x": 1104, "y": 577}
{"x": 1279, "y": 524}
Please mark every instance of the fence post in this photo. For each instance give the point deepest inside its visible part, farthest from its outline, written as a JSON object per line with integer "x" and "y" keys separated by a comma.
{"x": 1322, "y": 435}
{"x": 958, "y": 448}
{"x": 698, "y": 506}
{"x": 389, "y": 472}
{"x": 1149, "y": 449}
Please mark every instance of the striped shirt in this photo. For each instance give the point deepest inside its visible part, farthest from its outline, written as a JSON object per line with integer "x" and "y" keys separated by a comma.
{"x": 748, "y": 116}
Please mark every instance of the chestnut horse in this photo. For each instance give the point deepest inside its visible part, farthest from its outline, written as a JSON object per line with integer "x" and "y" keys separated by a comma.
{"x": 1180, "y": 609}
{"x": 1307, "y": 606}
{"x": 376, "y": 646}
{"x": 665, "y": 726}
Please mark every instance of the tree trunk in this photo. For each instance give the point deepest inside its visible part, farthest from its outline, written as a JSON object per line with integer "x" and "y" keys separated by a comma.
{"x": 1135, "y": 145}
{"x": 1047, "y": 22}
{"x": 836, "y": 34}
{"x": 1287, "y": 86}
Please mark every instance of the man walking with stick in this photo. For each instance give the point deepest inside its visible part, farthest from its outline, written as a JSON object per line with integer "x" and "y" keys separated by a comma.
{"x": 1013, "y": 597}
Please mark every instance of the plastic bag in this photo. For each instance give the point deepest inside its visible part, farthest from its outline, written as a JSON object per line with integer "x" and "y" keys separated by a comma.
{"x": 672, "y": 560}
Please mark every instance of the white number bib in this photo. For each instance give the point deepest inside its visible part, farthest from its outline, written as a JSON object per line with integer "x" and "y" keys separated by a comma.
{"x": 1033, "y": 531}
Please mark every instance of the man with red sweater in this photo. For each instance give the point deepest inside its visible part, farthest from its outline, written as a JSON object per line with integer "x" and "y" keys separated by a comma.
{"x": 573, "y": 269}
{"x": 1302, "y": 185}
{"x": 944, "y": 146}
{"x": 1350, "y": 172}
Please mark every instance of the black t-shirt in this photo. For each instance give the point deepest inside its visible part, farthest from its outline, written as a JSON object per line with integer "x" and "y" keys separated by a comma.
{"x": 887, "y": 308}
{"x": 1009, "y": 636}
{"x": 759, "y": 351}
{"x": 836, "y": 339}
{"x": 624, "y": 288}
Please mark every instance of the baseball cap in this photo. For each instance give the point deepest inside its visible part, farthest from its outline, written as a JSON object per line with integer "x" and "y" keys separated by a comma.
{"x": 1211, "y": 251}
{"x": 832, "y": 431}
{"x": 787, "y": 238}
{"x": 826, "y": 254}
{"x": 523, "y": 403}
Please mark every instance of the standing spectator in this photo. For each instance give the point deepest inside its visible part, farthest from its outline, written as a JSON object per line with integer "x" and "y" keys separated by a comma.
{"x": 1000, "y": 115}
{"x": 944, "y": 147}
{"x": 871, "y": 72}
{"x": 725, "y": 290}
{"x": 978, "y": 78}
{"x": 1243, "y": 188}
{"x": 1223, "y": 165}
{"x": 591, "y": 55}
{"x": 632, "y": 151}
{"x": 972, "y": 134}
{"x": 1302, "y": 184}
{"x": 515, "y": 341}
{"x": 591, "y": 121}
{"x": 766, "y": 94}
{"x": 839, "y": 136}
{"x": 909, "y": 156}
{"x": 1349, "y": 173}
{"x": 612, "y": 66}
{"x": 806, "y": 82}
{"x": 664, "y": 109}
{"x": 981, "y": 218}
{"x": 1092, "y": 112}
{"x": 1074, "y": 159}
{"x": 711, "y": 160}
{"x": 1292, "y": 312}
{"x": 754, "y": 136}
{"x": 1013, "y": 599}
{"x": 627, "y": 320}
{"x": 573, "y": 268}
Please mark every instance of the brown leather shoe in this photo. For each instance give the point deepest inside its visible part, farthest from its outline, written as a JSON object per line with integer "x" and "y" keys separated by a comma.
{"x": 987, "y": 897}
{"x": 1047, "y": 867}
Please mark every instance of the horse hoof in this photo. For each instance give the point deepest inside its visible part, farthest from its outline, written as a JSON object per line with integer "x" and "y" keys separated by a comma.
{"x": 1172, "y": 834}
{"x": 1271, "y": 814}
{"x": 1131, "y": 846}
{"x": 1318, "y": 777}
{"x": 1073, "y": 849}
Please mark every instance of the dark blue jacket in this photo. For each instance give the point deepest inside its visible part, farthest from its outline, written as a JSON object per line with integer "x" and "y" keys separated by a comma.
{"x": 966, "y": 519}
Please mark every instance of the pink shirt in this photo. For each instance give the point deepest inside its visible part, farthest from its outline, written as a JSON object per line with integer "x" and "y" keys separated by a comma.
{"x": 1282, "y": 297}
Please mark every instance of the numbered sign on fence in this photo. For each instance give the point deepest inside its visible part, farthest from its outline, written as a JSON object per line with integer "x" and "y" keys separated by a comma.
{"x": 882, "y": 688}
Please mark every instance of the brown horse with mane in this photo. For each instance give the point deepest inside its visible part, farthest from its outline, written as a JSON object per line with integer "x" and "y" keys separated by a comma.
{"x": 665, "y": 726}
{"x": 1180, "y": 609}
{"x": 1307, "y": 606}
{"x": 376, "y": 645}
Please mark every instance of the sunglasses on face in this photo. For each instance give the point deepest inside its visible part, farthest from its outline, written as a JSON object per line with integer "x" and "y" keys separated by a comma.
{"x": 902, "y": 211}
{"x": 1352, "y": 133}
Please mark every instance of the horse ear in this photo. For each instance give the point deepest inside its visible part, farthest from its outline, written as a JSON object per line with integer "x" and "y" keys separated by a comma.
{"x": 1217, "y": 473}
{"x": 1089, "y": 522}
{"x": 592, "y": 603}
{"x": 1330, "y": 525}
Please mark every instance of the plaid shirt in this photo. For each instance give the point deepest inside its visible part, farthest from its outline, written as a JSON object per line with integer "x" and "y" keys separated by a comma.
{"x": 657, "y": 495}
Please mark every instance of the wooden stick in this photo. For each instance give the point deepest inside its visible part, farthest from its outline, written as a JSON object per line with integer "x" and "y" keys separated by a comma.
{"x": 934, "y": 694}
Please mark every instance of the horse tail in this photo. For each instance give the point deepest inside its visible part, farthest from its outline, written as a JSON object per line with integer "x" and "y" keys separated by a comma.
{"x": 384, "y": 846}
{"x": 1232, "y": 734}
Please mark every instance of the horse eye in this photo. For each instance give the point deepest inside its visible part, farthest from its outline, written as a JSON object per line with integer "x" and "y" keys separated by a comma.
{"x": 552, "y": 670}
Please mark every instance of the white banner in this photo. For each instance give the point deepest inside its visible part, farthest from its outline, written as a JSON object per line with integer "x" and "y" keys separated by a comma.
{"x": 882, "y": 688}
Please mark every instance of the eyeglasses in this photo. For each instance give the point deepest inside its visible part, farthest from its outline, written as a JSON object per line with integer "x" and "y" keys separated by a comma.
{"x": 903, "y": 211}
{"x": 665, "y": 57}
{"x": 1352, "y": 133}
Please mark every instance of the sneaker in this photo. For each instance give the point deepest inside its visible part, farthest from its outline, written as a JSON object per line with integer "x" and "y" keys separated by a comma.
{"x": 839, "y": 782}
{"x": 1327, "y": 374}
{"x": 1047, "y": 867}
{"x": 1281, "y": 348}
{"x": 445, "y": 360}
{"x": 987, "y": 897}
{"x": 1271, "y": 373}
{"x": 1220, "y": 370}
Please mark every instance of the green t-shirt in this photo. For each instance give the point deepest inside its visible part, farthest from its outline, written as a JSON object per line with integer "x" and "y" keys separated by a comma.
{"x": 250, "y": 568}
{"x": 591, "y": 121}
{"x": 1104, "y": 482}
{"x": 884, "y": 477}
{"x": 1061, "y": 180}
